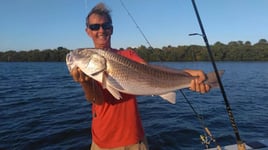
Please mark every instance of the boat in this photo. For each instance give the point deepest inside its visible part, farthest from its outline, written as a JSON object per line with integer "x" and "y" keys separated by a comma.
{"x": 259, "y": 145}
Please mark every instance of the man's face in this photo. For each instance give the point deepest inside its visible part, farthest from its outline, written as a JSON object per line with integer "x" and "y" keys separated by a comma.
{"x": 101, "y": 36}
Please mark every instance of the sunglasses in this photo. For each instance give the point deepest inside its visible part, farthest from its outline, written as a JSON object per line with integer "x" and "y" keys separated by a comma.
{"x": 96, "y": 27}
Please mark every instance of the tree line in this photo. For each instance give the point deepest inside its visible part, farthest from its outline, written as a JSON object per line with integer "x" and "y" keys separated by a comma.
{"x": 36, "y": 55}
{"x": 233, "y": 51}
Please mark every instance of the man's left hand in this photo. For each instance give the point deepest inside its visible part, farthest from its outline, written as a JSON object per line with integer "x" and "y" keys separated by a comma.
{"x": 198, "y": 84}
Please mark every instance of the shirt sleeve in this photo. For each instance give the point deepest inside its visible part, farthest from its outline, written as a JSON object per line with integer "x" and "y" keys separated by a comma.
{"x": 131, "y": 54}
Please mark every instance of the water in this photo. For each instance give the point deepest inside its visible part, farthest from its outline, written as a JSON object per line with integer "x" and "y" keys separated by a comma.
{"x": 41, "y": 107}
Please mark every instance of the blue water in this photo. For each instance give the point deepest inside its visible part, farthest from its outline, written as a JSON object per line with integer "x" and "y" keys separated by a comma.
{"x": 41, "y": 107}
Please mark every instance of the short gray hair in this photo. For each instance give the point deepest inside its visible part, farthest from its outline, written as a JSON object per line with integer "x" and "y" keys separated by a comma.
{"x": 102, "y": 10}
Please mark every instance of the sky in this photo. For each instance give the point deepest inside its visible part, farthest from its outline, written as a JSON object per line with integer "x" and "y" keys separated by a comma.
{"x": 48, "y": 24}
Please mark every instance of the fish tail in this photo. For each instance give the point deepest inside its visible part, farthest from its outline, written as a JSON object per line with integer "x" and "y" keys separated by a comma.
{"x": 212, "y": 80}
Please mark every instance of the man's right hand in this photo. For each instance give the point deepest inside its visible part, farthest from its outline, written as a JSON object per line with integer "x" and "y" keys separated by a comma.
{"x": 79, "y": 76}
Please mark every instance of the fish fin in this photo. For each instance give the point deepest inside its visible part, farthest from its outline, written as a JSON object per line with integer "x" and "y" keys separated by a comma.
{"x": 170, "y": 97}
{"x": 104, "y": 77}
{"x": 212, "y": 80}
{"x": 107, "y": 84}
{"x": 114, "y": 92}
{"x": 113, "y": 83}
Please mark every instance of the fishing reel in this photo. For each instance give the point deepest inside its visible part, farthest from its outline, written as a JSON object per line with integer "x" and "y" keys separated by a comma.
{"x": 207, "y": 139}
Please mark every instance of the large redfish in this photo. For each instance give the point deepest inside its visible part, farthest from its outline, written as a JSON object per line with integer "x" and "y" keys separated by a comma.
{"x": 119, "y": 74}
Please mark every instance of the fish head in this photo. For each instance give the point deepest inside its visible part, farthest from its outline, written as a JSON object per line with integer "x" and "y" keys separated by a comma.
{"x": 88, "y": 60}
{"x": 95, "y": 64}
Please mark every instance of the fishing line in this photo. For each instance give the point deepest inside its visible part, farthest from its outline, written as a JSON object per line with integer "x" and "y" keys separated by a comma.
{"x": 134, "y": 21}
{"x": 198, "y": 116}
{"x": 240, "y": 143}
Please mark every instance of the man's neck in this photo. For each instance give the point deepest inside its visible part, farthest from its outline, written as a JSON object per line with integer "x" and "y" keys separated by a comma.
{"x": 106, "y": 46}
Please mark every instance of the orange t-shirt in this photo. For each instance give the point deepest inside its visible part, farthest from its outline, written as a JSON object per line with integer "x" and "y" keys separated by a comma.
{"x": 117, "y": 123}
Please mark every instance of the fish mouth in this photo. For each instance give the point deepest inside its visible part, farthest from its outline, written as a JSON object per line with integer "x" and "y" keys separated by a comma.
{"x": 69, "y": 61}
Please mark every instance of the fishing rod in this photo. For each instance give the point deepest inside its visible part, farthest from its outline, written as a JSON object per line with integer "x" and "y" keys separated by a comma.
{"x": 240, "y": 143}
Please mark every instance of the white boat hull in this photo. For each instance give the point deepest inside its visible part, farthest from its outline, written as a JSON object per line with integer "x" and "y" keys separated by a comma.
{"x": 259, "y": 145}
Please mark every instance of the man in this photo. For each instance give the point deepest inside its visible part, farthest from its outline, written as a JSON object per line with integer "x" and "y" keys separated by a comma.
{"x": 116, "y": 124}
